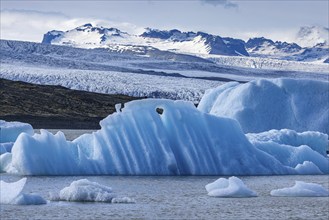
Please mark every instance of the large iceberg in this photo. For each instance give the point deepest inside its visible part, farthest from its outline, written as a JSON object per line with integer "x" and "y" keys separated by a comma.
{"x": 157, "y": 137}
{"x": 231, "y": 187}
{"x": 302, "y": 189}
{"x": 262, "y": 105}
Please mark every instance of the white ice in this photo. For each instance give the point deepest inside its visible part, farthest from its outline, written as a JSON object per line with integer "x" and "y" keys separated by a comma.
{"x": 231, "y": 187}
{"x": 262, "y": 105}
{"x": 302, "y": 189}
{"x": 11, "y": 193}
{"x": 181, "y": 141}
{"x": 84, "y": 190}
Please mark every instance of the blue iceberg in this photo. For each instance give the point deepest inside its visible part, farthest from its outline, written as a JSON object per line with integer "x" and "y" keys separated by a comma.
{"x": 160, "y": 137}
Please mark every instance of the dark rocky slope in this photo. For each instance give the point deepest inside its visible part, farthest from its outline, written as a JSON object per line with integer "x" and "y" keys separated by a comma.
{"x": 55, "y": 106}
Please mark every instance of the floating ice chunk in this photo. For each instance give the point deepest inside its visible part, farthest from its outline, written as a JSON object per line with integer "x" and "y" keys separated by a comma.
{"x": 302, "y": 189}
{"x": 86, "y": 191}
{"x": 9, "y": 131}
{"x": 231, "y": 187}
{"x": 261, "y": 105}
{"x": 9, "y": 191}
{"x": 123, "y": 200}
{"x": 29, "y": 199}
{"x": 308, "y": 168}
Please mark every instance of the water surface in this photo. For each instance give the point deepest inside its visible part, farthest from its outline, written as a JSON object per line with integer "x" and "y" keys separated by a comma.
{"x": 172, "y": 198}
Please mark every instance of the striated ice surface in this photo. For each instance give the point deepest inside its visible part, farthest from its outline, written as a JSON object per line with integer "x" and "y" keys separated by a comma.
{"x": 231, "y": 187}
{"x": 302, "y": 189}
{"x": 262, "y": 105}
{"x": 159, "y": 137}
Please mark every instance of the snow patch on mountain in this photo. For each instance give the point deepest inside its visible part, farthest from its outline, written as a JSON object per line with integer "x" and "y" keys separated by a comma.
{"x": 310, "y": 36}
{"x": 89, "y": 36}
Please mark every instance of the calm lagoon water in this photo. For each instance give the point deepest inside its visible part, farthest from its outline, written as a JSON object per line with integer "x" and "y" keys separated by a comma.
{"x": 171, "y": 198}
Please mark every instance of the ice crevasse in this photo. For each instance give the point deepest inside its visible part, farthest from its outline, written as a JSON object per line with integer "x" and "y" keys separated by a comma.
{"x": 157, "y": 137}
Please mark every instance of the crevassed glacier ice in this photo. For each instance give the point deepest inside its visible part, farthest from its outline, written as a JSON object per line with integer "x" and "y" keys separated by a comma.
{"x": 302, "y": 189}
{"x": 262, "y": 105}
{"x": 157, "y": 137}
{"x": 231, "y": 187}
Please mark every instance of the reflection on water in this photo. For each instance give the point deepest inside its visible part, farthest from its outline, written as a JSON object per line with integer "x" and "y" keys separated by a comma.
{"x": 172, "y": 197}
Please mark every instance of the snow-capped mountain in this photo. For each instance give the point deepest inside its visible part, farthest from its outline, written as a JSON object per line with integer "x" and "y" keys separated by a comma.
{"x": 263, "y": 47}
{"x": 310, "y": 36}
{"x": 88, "y": 36}
{"x": 196, "y": 43}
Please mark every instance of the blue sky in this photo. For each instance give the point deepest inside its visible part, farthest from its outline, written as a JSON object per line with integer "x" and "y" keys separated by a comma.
{"x": 277, "y": 19}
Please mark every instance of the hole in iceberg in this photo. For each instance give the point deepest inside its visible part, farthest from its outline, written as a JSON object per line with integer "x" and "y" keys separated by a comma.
{"x": 159, "y": 111}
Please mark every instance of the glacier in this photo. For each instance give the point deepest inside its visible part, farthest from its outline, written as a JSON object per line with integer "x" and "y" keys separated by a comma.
{"x": 161, "y": 137}
{"x": 262, "y": 105}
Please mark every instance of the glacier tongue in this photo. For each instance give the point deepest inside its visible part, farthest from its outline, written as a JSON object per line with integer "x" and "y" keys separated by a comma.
{"x": 156, "y": 137}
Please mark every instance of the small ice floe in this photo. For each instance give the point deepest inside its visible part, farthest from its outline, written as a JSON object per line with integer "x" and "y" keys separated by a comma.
{"x": 231, "y": 187}
{"x": 11, "y": 193}
{"x": 84, "y": 190}
{"x": 302, "y": 189}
